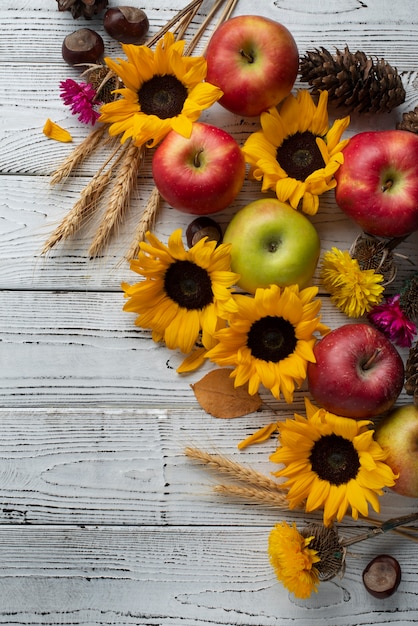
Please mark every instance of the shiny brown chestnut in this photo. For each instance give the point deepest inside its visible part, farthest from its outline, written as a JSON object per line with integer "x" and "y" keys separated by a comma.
{"x": 126, "y": 24}
{"x": 382, "y": 576}
{"x": 83, "y": 46}
{"x": 203, "y": 227}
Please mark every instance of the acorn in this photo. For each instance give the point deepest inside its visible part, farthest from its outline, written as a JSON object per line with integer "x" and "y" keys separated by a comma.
{"x": 83, "y": 46}
{"x": 203, "y": 227}
{"x": 382, "y": 576}
{"x": 126, "y": 24}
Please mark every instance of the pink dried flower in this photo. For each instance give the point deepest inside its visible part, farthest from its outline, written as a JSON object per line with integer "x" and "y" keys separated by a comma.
{"x": 80, "y": 97}
{"x": 389, "y": 318}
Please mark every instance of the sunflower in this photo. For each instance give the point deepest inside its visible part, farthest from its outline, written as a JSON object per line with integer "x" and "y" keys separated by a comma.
{"x": 331, "y": 462}
{"x": 353, "y": 290}
{"x": 270, "y": 339}
{"x": 296, "y": 153}
{"x": 186, "y": 293}
{"x": 293, "y": 560}
{"x": 163, "y": 90}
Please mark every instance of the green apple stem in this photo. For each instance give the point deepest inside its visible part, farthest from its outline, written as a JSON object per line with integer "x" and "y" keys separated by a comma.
{"x": 370, "y": 361}
{"x": 387, "y": 185}
{"x": 384, "y": 528}
{"x": 196, "y": 160}
{"x": 245, "y": 55}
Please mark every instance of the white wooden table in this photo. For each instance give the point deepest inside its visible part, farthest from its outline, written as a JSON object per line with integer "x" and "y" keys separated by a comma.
{"x": 103, "y": 518}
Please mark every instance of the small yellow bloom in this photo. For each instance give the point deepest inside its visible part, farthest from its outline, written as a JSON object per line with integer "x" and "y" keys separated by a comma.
{"x": 163, "y": 90}
{"x": 331, "y": 462}
{"x": 353, "y": 290}
{"x": 293, "y": 560}
{"x": 296, "y": 153}
{"x": 53, "y": 131}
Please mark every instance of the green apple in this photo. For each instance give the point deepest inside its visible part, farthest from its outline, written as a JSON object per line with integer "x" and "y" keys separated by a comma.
{"x": 272, "y": 244}
{"x": 397, "y": 433}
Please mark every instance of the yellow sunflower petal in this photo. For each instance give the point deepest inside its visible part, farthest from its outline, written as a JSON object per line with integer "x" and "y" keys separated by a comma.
{"x": 54, "y": 131}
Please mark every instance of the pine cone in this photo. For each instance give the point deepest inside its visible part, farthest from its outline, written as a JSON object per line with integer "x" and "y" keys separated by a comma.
{"x": 409, "y": 121}
{"x": 353, "y": 80}
{"x": 411, "y": 373}
{"x": 84, "y": 8}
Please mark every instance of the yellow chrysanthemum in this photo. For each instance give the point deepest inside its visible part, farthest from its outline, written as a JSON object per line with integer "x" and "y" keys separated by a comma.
{"x": 296, "y": 153}
{"x": 293, "y": 560}
{"x": 270, "y": 339}
{"x": 331, "y": 462}
{"x": 353, "y": 290}
{"x": 163, "y": 90}
{"x": 186, "y": 293}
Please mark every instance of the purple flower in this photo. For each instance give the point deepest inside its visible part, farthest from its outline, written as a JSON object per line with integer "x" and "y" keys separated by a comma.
{"x": 80, "y": 97}
{"x": 389, "y": 318}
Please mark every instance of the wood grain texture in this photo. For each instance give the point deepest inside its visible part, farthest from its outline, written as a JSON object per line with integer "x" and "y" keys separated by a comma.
{"x": 178, "y": 576}
{"x": 80, "y": 348}
{"x": 127, "y": 466}
{"x": 103, "y": 519}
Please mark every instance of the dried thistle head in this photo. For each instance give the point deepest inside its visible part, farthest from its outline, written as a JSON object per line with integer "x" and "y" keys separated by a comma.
{"x": 104, "y": 81}
{"x": 375, "y": 254}
{"x": 328, "y": 546}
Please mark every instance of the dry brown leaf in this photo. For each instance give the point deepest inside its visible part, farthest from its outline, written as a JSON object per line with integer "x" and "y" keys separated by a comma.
{"x": 217, "y": 395}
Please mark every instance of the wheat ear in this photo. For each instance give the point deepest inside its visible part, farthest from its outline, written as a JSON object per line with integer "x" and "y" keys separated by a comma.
{"x": 234, "y": 470}
{"x": 264, "y": 496}
{"x": 81, "y": 152}
{"x": 146, "y": 223}
{"x": 119, "y": 197}
{"x": 84, "y": 206}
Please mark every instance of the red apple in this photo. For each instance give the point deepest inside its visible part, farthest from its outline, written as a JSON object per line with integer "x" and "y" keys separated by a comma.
{"x": 377, "y": 185}
{"x": 201, "y": 174}
{"x": 397, "y": 433}
{"x": 254, "y": 60}
{"x": 272, "y": 244}
{"x": 358, "y": 372}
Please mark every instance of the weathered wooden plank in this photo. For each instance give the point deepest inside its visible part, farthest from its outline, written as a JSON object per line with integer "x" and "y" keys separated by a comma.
{"x": 31, "y": 210}
{"x": 77, "y": 348}
{"x": 179, "y": 576}
{"x": 126, "y": 466}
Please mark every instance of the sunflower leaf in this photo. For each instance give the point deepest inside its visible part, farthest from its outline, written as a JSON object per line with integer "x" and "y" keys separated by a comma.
{"x": 217, "y": 395}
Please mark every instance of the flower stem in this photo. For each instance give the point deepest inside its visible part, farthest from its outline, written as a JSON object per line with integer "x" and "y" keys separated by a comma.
{"x": 378, "y": 530}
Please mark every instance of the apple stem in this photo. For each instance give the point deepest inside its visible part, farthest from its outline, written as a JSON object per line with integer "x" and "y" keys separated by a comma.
{"x": 196, "y": 160}
{"x": 368, "y": 364}
{"x": 388, "y": 185}
{"x": 248, "y": 57}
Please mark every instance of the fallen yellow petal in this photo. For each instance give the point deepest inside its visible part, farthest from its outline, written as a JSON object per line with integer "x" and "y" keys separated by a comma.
{"x": 262, "y": 434}
{"x": 53, "y": 131}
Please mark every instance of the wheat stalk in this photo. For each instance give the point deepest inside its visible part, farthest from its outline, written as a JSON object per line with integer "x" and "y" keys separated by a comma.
{"x": 80, "y": 152}
{"x": 84, "y": 206}
{"x": 182, "y": 13}
{"x": 234, "y": 470}
{"x": 146, "y": 223}
{"x": 225, "y": 15}
{"x": 264, "y": 496}
{"x": 119, "y": 197}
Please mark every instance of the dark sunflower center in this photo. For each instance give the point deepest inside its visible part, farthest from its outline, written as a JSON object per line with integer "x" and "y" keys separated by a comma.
{"x": 189, "y": 285}
{"x": 271, "y": 339}
{"x": 299, "y": 155}
{"x": 335, "y": 459}
{"x": 163, "y": 96}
